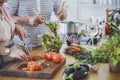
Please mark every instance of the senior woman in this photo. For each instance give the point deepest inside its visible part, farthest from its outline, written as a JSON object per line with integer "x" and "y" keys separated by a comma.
{"x": 8, "y": 29}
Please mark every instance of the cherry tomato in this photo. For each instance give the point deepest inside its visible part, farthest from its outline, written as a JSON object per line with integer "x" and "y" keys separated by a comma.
{"x": 60, "y": 55}
{"x": 49, "y": 56}
{"x": 43, "y": 56}
{"x": 31, "y": 57}
{"x": 57, "y": 58}
{"x": 53, "y": 54}
{"x": 32, "y": 68}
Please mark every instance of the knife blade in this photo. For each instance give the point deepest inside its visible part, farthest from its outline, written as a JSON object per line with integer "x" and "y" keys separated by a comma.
{"x": 28, "y": 51}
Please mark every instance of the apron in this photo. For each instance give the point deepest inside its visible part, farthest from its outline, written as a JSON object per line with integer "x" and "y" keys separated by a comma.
{"x": 4, "y": 60}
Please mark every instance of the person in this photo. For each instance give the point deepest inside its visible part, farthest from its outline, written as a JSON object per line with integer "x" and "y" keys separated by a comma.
{"x": 8, "y": 29}
{"x": 24, "y": 13}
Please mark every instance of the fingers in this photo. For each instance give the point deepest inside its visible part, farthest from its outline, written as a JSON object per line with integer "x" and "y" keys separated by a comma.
{"x": 22, "y": 55}
{"x": 18, "y": 54}
{"x": 22, "y": 34}
{"x": 36, "y": 20}
{"x": 20, "y": 31}
{"x": 61, "y": 14}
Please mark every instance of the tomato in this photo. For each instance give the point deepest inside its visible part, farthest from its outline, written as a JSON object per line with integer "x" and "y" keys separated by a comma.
{"x": 43, "y": 56}
{"x": 38, "y": 67}
{"x": 32, "y": 68}
{"x": 53, "y": 54}
{"x": 31, "y": 57}
{"x": 60, "y": 55}
{"x": 49, "y": 56}
{"x": 57, "y": 58}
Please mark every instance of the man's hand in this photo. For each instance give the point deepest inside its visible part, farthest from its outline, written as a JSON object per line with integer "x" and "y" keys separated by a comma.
{"x": 16, "y": 53}
{"x": 35, "y": 20}
{"x": 20, "y": 32}
{"x": 62, "y": 14}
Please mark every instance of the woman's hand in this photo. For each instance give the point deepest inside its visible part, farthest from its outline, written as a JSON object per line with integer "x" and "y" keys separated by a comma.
{"x": 62, "y": 14}
{"x": 20, "y": 32}
{"x": 16, "y": 53}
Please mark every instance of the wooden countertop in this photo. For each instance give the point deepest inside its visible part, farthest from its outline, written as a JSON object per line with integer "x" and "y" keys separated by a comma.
{"x": 102, "y": 74}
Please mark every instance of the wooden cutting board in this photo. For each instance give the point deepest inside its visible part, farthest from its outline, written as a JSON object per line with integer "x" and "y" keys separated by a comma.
{"x": 14, "y": 69}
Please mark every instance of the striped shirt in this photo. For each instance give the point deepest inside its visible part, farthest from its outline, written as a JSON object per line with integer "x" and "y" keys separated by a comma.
{"x": 26, "y": 8}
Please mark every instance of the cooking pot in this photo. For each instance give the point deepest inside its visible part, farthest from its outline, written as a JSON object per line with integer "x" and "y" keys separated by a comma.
{"x": 71, "y": 27}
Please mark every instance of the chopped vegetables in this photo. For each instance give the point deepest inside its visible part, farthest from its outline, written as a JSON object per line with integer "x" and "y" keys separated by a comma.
{"x": 31, "y": 57}
{"x": 33, "y": 66}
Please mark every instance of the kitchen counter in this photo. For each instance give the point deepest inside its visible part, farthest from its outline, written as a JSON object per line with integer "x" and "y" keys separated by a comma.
{"x": 102, "y": 74}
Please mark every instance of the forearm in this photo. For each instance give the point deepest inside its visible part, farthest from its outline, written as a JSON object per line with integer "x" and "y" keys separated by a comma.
{"x": 4, "y": 50}
{"x": 20, "y": 20}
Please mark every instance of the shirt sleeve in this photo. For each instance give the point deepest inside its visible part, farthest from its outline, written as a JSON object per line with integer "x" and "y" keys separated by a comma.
{"x": 57, "y": 5}
{"x": 12, "y": 6}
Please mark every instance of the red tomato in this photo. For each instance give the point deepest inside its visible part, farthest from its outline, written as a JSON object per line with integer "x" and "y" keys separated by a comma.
{"x": 60, "y": 55}
{"x": 38, "y": 67}
{"x": 31, "y": 57}
{"x": 43, "y": 56}
{"x": 32, "y": 68}
{"x": 57, "y": 58}
{"x": 53, "y": 54}
{"x": 49, "y": 56}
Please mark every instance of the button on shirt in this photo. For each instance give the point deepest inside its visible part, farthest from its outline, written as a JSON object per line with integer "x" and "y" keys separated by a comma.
{"x": 26, "y": 8}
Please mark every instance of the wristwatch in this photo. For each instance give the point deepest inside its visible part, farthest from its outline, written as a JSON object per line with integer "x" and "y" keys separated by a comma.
{"x": 7, "y": 51}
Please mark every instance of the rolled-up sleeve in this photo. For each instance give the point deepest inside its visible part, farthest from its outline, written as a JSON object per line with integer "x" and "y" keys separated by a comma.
{"x": 57, "y": 5}
{"x": 12, "y": 6}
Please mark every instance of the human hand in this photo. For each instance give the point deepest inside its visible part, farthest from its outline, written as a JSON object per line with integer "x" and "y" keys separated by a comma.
{"x": 16, "y": 53}
{"x": 20, "y": 31}
{"x": 35, "y": 20}
{"x": 62, "y": 14}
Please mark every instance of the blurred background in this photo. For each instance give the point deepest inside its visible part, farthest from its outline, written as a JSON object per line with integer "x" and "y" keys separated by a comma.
{"x": 87, "y": 15}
